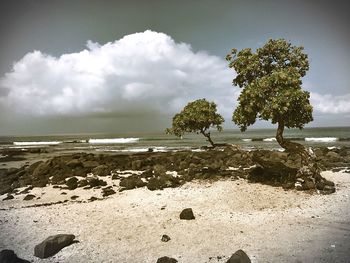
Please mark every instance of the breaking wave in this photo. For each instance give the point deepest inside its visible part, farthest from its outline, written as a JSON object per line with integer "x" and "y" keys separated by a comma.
{"x": 36, "y": 143}
{"x": 321, "y": 139}
{"x": 113, "y": 141}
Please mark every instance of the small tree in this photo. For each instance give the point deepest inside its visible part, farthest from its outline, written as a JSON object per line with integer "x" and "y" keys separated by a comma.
{"x": 271, "y": 82}
{"x": 197, "y": 116}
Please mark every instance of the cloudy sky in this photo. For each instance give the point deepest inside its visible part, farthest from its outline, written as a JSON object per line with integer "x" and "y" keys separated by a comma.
{"x": 126, "y": 66}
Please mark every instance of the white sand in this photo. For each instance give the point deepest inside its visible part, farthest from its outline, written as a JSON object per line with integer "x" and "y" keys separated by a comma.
{"x": 270, "y": 224}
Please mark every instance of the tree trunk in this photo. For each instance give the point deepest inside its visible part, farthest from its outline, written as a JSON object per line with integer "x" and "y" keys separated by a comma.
{"x": 207, "y": 135}
{"x": 279, "y": 134}
{"x": 291, "y": 147}
{"x": 309, "y": 170}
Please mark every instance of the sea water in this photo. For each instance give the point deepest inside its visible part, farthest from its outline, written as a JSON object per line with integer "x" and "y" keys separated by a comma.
{"x": 160, "y": 142}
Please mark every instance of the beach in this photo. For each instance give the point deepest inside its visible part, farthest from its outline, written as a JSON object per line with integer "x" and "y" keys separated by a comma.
{"x": 118, "y": 205}
{"x": 268, "y": 223}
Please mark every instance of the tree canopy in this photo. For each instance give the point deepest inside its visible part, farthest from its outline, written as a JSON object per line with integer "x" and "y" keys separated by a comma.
{"x": 197, "y": 116}
{"x": 271, "y": 82}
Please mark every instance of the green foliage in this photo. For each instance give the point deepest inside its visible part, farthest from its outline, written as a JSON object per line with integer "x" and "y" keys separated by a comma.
{"x": 271, "y": 82}
{"x": 197, "y": 116}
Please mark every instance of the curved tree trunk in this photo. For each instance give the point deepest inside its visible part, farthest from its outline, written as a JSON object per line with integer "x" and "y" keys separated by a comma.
{"x": 291, "y": 147}
{"x": 207, "y": 135}
{"x": 309, "y": 169}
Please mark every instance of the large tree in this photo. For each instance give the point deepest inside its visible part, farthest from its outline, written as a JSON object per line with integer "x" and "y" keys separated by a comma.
{"x": 271, "y": 82}
{"x": 197, "y": 116}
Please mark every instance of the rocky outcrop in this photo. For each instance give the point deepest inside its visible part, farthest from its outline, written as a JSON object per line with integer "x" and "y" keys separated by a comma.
{"x": 271, "y": 167}
{"x": 53, "y": 244}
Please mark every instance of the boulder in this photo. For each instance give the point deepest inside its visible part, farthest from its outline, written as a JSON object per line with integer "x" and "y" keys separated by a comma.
{"x": 9, "y": 256}
{"x": 154, "y": 184}
{"x": 308, "y": 185}
{"x": 165, "y": 238}
{"x": 74, "y": 163}
{"x": 333, "y": 156}
{"x": 159, "y": 169}
{"x": 28, "y": 197}
{"x": 41, "y": 169}
{"x": 136, "y": 165}
{"x": 166, "y": 260}
{"x": 93, "y": 182}
{"x": 187, "y": 214}
{"x": 8, "y": 197}
{"x": 107, "y": 191}
{"x": 131, "y": 182}
{"x": 147, "y": 173}
{"x": 72, "y": 183}
{"x": 101, "y": 170}
{"x": 53, "y": 244}
{"x": 239, "y": 257}
{"x": 90, "y": 164}
{"x": 271, "y": 172}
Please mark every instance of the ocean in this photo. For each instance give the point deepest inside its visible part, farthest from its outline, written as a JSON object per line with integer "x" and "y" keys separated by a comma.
{"x": 159, "y": 141}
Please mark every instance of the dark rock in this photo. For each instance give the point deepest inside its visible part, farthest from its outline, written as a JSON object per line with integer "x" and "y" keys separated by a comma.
{"x": 90, "y": 164}
{"x": 147, "y": 173}
{"x": 329, "y": 183}
{"x": 92, "y": 198}
{"x": 8, "y": 197}
{"x": 328, "y": 190}
{"x": 101, "y": 170}
{"x": 289, "y": 185}
{"x": 74, "y": 163}
{"x": 165, "y": 238}
{"x": 53, "y": 244}
{"x": 239, "y": 257}
{"x": 9, "y": 256}
{"x": 131, "y": 182}
{"x": 187, "y": 214}
{"x": 308, "y": 185}
{"x": 26, "y": 190}
{"x": 271, "y": 172}
{"x": 154, "y": 184}
{"x": 166, "y": 260}
{"x": 28, "y": 197}
{"x": 107, "y": 191}
{"x": 74, "y": 197}
{"x": 83, "y": 183}
{"x": 159, "y": 169}
{"x": 72, "y": 183}
{"x": 94, "y": 182}
{"x": 41, "y": 169}
{"x": 320, "y": 185}
{"x": 333, "y": 156}
{"x": 136, "y": 165}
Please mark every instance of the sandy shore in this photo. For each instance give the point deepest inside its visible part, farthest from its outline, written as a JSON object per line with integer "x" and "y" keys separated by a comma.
{"x": 270, "y": 224}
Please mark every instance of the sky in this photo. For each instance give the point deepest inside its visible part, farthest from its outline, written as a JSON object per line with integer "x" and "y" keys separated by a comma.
{"x": 128, "y": 66}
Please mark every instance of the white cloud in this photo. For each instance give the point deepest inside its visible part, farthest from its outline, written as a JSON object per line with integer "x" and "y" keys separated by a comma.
{"x": 330, "y": 104}
{"x": 141, "y": 73}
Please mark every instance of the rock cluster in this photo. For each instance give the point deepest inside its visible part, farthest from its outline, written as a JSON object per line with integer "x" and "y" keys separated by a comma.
{"x": 271, "y": 167}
